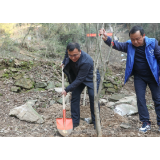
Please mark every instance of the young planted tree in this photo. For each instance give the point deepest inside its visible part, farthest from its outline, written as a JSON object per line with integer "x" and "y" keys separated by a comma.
{"x": 102, "y": 59}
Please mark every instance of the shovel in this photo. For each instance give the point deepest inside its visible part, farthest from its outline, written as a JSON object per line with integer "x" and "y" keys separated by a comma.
{"x": 64, "y": 125}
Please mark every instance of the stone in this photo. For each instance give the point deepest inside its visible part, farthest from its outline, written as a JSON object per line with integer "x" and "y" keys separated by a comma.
{"x": 125, "y": 125}
{"x": 128, "y": 100}
{"x": 24, "y": 83}
{"x": 108, "y": 85}
{"x": 59, "y": 90}
{"x": 50, "y": 85}
{"x": 40, "y": 85}
{"x": 58, "y": 84}
{"x": 116, "y": 97}
{"x": 59, "y": 100}
{"x": 103, "y": 101}
{"x": 15, "y": 89}
{"x": 14, "y": 70}
{"x": 52, "y": 102}
{"x": 110, "y": 105}
{"x": 125, "y": 109}
{"x": 19, "y": 76}
{"x": 111, "y": 90}
{"x": 27, "y": 113}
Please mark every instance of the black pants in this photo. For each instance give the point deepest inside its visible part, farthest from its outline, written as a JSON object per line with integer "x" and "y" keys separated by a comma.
{"x": 75, "y": 103}
{"x": 140, "y": 84}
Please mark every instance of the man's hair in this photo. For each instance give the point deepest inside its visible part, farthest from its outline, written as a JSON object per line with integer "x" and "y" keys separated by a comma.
{"x": 135, "y": 29}
{"x": 72, "y": 46}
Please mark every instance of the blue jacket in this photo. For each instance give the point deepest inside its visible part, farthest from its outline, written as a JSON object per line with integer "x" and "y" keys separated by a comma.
{"x": 84, "y": 72}
{"x": 152, "y": 52}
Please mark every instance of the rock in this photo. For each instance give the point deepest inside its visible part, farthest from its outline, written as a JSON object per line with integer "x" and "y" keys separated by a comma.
{"x": 40, "y": 85}
{"x": 128, "y": 100}
{"x": 59, "y": 90}
{"x": 19, "y": 76}
{"x": 125, "y": 125}
{"x": 15, "y": 89}
{"x": 110, "y": 105}
{"x": 111, "y": 90}
{"x": 108, "y": 85}
{"x": 58, "y": 84}
{"x": 14, "y": 70}
{"x": 24, "y": 83}
{"x": 103, "y": 101}
{"x": 50, "y": 85}
{"x": 52, "y": 102}
{"x": 59, "y": 100}
{"x": 26, "y": 113}
{"x": 132, "y": 134}
{"x": 125, "y": 109}
{"x": 116, "y": 97}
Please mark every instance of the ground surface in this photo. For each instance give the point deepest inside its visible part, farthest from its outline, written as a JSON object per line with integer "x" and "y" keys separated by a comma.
{"x": 110, "y": 121}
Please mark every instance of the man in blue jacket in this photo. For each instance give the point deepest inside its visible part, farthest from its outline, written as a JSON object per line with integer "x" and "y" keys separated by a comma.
{"x": 78, "y": 66}
{"x": 143, "y": 61}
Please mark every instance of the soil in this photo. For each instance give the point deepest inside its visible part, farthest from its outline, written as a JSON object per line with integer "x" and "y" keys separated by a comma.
{"x": 110, "y": 121}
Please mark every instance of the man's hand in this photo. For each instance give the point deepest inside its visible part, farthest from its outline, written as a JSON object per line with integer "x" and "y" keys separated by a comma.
{"x": 103, "y": 33}
{"x": 61, "y": 65}
{"x": 64, "y": 93}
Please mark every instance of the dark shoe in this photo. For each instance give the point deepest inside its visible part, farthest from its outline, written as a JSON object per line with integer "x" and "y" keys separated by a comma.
{"x": 75, "y": 125}
{"x": 145, "y": 127}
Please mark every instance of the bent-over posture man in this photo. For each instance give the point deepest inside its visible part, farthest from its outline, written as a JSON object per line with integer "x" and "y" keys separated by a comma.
{"x": 143, "y": 61}
{"x": 78, "y": 66}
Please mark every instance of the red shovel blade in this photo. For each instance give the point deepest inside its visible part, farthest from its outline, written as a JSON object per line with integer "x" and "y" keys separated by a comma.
{"x": 64, "y": 125}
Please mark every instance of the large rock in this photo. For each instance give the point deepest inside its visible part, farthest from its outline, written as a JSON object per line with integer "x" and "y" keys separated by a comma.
{"x": 116, "y": 97}
{"x": 125, "y": 109}
{"x": 128, "y": 100}
{"x": 14, "y": 70}
{"x": 108, "y": 85}
{"x": 103, "y": 101}
{"x": 40, "y": 85}
{"x": 19, "y": 76}
{"x": 50, "y": 85}
{"x": 24, "y": 83}
{"x": 111, "y": 90}
{"x": 27, "y": 113}
{"x": 59, "y": 90}
{"x": 15, "y": 89}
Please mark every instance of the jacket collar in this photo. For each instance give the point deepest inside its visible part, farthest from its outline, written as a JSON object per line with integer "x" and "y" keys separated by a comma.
{"x": 148, "y": 41}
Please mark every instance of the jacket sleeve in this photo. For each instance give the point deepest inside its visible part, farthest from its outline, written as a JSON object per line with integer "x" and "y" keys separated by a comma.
{"x": 157, "y": 53}
{"x": 82, "y": 74}
{"x": 117, "y": 45}
{"x": 66, "y": 55}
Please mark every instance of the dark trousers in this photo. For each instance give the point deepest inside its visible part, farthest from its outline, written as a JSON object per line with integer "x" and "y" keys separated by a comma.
{"x": 75, "y": 103}
{"x": 140, "y": 84}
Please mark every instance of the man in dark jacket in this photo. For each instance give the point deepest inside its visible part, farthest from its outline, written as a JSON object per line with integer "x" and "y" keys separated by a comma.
{"x": 143, "y": 61}
{"x": 78, "y": 66}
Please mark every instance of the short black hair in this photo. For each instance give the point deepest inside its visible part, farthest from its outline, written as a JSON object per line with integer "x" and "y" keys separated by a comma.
{"x": 135, "y": 29}
{"x": 72, "y": 46}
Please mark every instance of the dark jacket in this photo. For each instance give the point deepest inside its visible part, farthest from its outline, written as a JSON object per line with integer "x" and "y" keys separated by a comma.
{"x": 152, "y": 51}
{"x": 84, "y": 72}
